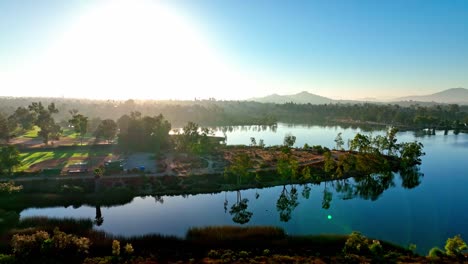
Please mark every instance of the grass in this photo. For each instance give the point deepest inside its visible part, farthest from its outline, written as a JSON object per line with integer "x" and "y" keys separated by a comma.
{"x": 68, "y": 225}
{"x": 33, "y": 133}
{"x": 69, "y": 156}
{"x": 70, "y": 133}
{"x": 222, "y": 233}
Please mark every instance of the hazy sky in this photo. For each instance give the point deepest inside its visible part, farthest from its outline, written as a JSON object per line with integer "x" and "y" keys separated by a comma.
{"x": 231, "y": 49}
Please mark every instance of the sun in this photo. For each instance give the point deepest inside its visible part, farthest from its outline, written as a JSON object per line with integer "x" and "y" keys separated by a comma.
{"x": 134, "y": 49}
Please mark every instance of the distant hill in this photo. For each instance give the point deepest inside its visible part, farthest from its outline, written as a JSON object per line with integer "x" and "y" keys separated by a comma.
{"x": 300, "y": 98}
{"x": 449, "y": 96}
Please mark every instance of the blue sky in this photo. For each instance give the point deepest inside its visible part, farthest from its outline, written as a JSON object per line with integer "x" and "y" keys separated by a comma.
{"x": 340, "y": 49}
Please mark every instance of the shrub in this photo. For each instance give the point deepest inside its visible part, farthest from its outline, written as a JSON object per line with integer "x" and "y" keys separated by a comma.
{"x": 356, "y": 244}
{"x": 115, "y": 248}
{"x": 376, "y": 248}
{"x": 7, "y": 259}
{"x": 455, "y": 246}
{"x": 40, "y": 244}
{"x": 436, "y": 252}
{"x": 128, "y": 249}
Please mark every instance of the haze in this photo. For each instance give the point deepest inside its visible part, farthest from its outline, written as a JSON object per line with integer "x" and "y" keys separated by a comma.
{"x": 231, "y": 50}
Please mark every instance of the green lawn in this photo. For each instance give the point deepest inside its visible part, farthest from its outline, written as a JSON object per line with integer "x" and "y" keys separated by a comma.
{"x": 31, "y": 133}
{"x": 34, "y": 157}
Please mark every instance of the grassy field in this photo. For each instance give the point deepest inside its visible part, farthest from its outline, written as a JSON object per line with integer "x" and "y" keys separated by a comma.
{"x": 70, "y": 133}
{"x": 36, "y": 160}
{"x": 33, "y": 133}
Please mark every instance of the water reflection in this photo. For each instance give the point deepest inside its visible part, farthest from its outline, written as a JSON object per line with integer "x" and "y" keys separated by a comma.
{"x": 99, "y": 219}
{"x": 286, "y": 203}
{"x": 367, "y": 187}
{"x": 239, "y": 211}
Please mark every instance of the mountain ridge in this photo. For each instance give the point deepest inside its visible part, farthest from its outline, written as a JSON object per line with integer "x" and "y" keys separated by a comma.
{"x": 448, "y": 96}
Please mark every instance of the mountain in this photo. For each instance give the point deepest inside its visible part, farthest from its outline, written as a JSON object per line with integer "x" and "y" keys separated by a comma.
{"x": 449, "y": 96}
{"x": 300, "y": 98}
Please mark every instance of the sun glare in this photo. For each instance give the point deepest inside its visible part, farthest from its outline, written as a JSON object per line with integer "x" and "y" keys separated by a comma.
{"x": 133, "y": 49}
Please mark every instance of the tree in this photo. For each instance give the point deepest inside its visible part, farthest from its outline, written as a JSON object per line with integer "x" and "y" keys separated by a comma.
{"x": 287, "y": 167}
{"x": 240, "y": 166}
{"x": 330, "y": 165}
{"x": 339, "y": 142}
{"x": 391, "y": 139}
{"x": 79, "y": 123}
{"x": 23, "y": 117}
{"x": 4, "y": 129}
{"x": 411, "y": 152}
{"x": 107, "y": 130}
{"x": 9, "y": 159}
{"x": 45, "y": 121}
{"x": 361, "y": 143}
{"x": 289, "y": 140}
{"x": 194, "y": 139}
{"x": 144, "y": 133}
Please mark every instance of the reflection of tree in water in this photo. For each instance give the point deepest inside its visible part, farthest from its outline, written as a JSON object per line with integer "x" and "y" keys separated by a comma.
{"x": 327, "y": 197}
{"x": 225, "y": 202}
{"x": 372, "y": 186}
{"x": 410, "y": 177}
{"x": 286, "y": 203}
{"x": 158, "y": 199}
{"x": 99, "y": 219}
{"x": 239, "y": 211}
{"x": 306, "y": 191}
{"x": 369, "y": 187}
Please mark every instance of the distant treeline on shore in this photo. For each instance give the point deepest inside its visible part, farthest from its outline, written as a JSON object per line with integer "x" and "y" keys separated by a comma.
{"x": 219, "y": 113}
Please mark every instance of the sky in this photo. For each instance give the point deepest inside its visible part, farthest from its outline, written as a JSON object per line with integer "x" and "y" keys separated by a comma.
{"x": 184, "y": 49}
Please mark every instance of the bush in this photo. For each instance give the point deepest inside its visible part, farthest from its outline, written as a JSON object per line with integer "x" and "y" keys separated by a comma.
{"x": 455, "y": 246}
{"x": 7, "y": 259}
{"x": 41, "y": 245}
{"x": 356, "y": 244}
{"x": 436, "y": 252}
{"x": 376, "y": 248}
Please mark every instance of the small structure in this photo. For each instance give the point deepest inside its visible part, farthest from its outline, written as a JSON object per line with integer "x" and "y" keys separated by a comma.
{"x": 113, "y": 166}
{"x": 81, "y": 167}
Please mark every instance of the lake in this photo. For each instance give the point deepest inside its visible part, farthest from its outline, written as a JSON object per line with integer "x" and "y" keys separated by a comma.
{"x": 425, "y": 215}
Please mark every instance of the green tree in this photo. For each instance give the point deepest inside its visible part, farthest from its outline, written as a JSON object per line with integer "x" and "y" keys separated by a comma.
{"x": 9, "y": 159}
{"x": 339, "y": 142}
{"x": 23, "y": 117}
{"x": 391, "y": 139}
{"x": 289, "y": 140}
{"x": 143, "y": 133}
{"x": 329, "y": 165}
{"x": 194, "y": 139}
{"x": 107, "y": 130}
{"x": 361, "y": 143}
{"x": 287, "y": 167}
{"x": 240, "y": 167}
{"x": 45, "y": 121}
{"x": 4, "y": 129}
{"x": 411, "y": 152}
{"x": 79, "y": 123}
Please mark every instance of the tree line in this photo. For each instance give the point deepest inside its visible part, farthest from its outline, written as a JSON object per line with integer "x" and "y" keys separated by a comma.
{"x": 221, "y": 113}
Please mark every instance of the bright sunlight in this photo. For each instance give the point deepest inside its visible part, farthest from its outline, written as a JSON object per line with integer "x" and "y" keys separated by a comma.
{"x": 132, "y": 49}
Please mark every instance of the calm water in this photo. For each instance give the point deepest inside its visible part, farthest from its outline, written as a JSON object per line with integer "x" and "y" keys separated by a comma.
{"x": 425, "y": 215}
